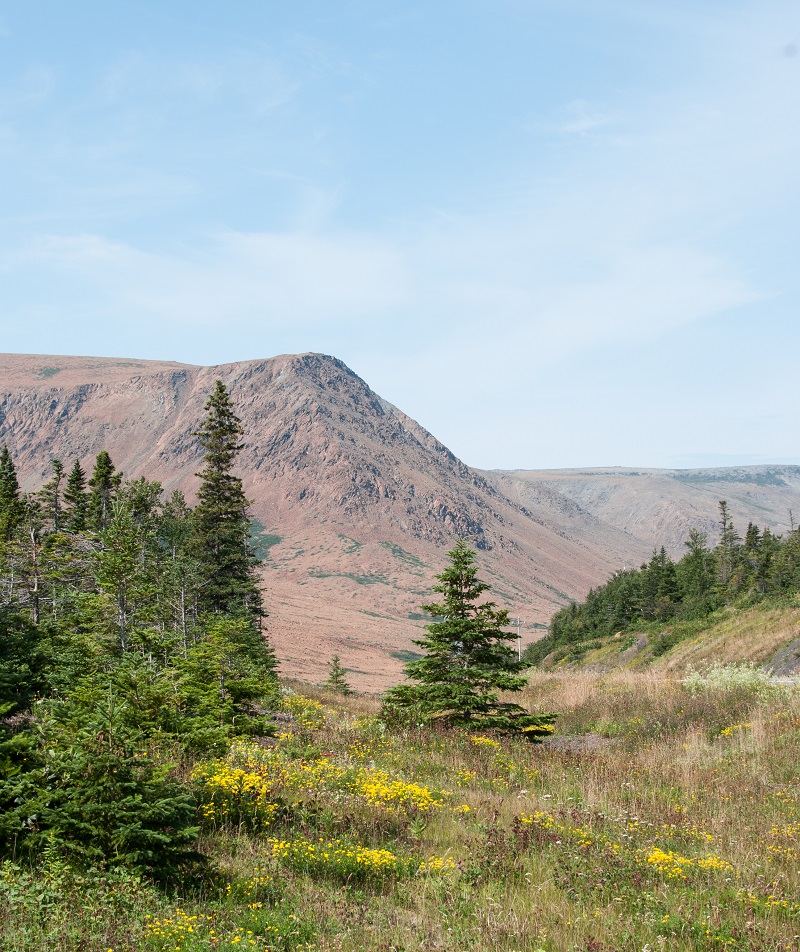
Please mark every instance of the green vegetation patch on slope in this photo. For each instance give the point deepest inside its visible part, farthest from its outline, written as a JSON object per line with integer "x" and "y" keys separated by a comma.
{"x": 369, "y": 578}
{"x": 756, "y": 635}
{"x": 262, "y": 541}
{"x": 412, "y": 561}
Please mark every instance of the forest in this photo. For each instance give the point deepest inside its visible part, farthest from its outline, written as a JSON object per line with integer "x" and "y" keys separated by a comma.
{"x": 737, "y": 572}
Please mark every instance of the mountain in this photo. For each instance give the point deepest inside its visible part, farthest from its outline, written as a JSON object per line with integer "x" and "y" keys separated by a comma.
{"x": 356, "y": 504}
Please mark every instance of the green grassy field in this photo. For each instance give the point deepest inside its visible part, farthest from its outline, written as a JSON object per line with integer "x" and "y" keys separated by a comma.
{"x": 660, "y": 815}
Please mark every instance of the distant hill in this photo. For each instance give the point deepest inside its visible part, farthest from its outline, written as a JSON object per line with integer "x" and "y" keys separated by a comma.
{"x": 660, "y": 506}
{"x": 356, "y": 504}
{"x": 766, "y": 635}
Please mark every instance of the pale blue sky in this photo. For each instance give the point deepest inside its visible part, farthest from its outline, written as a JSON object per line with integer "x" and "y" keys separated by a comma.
{"x": 556, "y": 232}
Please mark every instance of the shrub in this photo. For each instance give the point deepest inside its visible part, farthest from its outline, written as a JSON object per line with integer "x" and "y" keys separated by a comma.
{"x": 98, "y": 796}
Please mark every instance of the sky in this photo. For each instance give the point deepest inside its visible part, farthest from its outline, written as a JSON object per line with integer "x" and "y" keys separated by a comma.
{"x": 557, "y": 233}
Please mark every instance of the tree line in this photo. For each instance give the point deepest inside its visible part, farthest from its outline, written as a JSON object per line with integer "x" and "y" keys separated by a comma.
{"x": 129, "y": 623}
{"x": 739, "y": 570}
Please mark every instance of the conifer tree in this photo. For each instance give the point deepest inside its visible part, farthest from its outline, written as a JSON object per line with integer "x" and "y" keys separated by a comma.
{"x": 727, "y": 553}
{"x": 75, "y": 498}
{"x": 20, "y": 679}
{"x": 337, "y": 681}
{"x": 468, "y": 659}
{"x": 100, "y": 795}
{"x": 179, "y": 575}
{"x": 103, "y": 486}
{"x": 11, "y": 509}
{"x": 50, "y": 495}
{"x": 221, "y": 526}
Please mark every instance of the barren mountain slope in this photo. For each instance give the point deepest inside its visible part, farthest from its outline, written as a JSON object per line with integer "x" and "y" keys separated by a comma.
{"x": 358, "y": 503}
{"x": 659, "y": 507}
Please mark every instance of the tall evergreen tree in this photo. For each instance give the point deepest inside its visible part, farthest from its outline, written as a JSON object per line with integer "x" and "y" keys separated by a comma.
{"x": 179, "y": 576}
{"x": 50, "y": 495}
{"x": 75, "y": 498}
{"x": 103, "y": 487}
{"x": 11, "y": 509}
{"x": 727, "y": 552}
{"x": 659, "y": 586}
{"x": 221, "y": 526}
{"x": 468, "y": 659}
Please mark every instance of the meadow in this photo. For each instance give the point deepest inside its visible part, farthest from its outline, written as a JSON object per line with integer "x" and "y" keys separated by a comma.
{"x": 661, "y": 814}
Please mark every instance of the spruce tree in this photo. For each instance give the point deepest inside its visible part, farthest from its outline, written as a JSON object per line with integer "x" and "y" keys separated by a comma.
{"x": 50, "y": 495}
{"x": 103, "y": 487}
{"x": 467, "y": 660}
{"x": 11, "y": 509}
{"x": 221, "y": 526}
{"x": 337, "y": 681}
{"x": 97, "y": 792}
{"x": 727, "y": 553}
{"x": 75, "y": 498}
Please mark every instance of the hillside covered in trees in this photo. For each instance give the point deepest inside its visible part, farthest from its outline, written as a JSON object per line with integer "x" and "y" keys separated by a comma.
{"x": 739, "y": 572}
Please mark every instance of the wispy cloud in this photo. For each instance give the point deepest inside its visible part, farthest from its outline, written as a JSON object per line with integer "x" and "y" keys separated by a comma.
{"x": 235, "y": 283}
{"x": 581, "y": 118}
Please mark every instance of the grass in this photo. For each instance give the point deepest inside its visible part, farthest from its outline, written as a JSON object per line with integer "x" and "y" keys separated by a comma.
{"x": 661, "y": 815}
{"x": 351, "y": 546}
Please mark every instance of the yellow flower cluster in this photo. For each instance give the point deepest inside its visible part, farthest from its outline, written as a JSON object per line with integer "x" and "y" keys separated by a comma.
{"x": 465, "y": 778}
{"x": 770, "y": 901}
{"x": 665, "y": 861}
{"x": 249, "y": 889}
{"x": 438, "y": 864}
{"x": 539, "y": 728}
{"x": 229, "y": 794}
{"x": 787, "y": 837}
{"x": 307, "y": 712}
{"x": 338, "y": 858}
{"x": 674, "y": 866}
{"x": 727, "y": 731}
{"x": 378, "y": 789}
{"x": 479, "y": 741}
{"x": 539, "y": 818}
{"x": 179, "y": 928}
{"x": 281, "y": 776}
